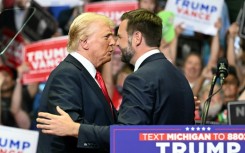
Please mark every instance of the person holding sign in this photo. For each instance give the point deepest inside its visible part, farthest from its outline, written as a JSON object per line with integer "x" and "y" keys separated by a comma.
{"x": 13, "y": 107}
{"x": 77, "y": 87}
{"x": 156, "y": 93}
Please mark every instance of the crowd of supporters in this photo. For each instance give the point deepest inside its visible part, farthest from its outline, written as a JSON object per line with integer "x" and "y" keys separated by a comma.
{"x": 195, "y": 54}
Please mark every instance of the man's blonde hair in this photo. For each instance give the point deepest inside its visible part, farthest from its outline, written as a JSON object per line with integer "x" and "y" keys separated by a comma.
{"x": 80, "y": 28}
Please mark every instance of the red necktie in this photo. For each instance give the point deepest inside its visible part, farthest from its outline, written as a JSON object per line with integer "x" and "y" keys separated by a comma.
{"x": 101, "y": 82}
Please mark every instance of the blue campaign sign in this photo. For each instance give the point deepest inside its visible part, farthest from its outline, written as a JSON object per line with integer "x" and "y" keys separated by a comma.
{"x": 178, "y": 139}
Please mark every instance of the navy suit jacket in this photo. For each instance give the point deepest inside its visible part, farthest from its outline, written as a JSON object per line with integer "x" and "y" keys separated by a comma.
{"x": 71, "y": 87}
{"x": 156, "y": 94}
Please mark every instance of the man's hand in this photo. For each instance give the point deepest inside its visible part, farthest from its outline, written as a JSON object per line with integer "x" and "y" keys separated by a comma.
{"x": 233, "y": 30}
{"x": 60, "y": 125}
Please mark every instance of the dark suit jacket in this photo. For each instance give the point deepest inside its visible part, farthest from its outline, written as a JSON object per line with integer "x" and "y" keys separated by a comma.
{"x": 156, "y": 94}
{"x": 71, "y": 87}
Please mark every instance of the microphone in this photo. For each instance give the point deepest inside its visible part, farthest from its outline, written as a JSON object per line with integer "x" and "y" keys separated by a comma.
{"x": 221, "y": 72}
{"x": 222, "y": 69}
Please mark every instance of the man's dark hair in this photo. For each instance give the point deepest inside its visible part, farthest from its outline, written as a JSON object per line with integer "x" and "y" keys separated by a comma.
{"x": 148, "y": 23}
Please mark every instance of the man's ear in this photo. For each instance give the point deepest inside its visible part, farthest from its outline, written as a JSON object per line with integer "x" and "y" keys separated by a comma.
{"x": 84, "y": 44}
{"x": 137, "y": 37}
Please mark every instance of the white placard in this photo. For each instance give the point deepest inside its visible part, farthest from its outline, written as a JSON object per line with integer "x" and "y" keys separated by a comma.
{"x": 198, "y": 15}
{"x": 15, "y": 140}
{"x": 48, "y": 3}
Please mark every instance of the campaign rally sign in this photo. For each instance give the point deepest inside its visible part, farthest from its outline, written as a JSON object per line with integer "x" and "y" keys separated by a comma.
{"x": 42, "y": 57}
{"x": 14, "y": 140}
{"x": 112, "y": 9}
{"x": 236, "y": 112}
{"x": 197, "y": 15}
{"x": 177, "y": 139}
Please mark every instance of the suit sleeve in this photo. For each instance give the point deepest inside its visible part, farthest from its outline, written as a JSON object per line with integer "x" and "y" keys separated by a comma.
{"x": 138, "y": 101}
{"x": 94, "y": 135}
{"x": 65, "y": 91}
{"x": 136, "y": 109}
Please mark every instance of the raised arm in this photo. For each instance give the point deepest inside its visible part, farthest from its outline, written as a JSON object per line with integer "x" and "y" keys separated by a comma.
{"x": 174, "y": 43}
{"x": 1, "y": 83}
{"x": 231, "y": 56}
{"x": 21, "y": 117}
{"x": 207, "y": 70}
{"x": 232, "y": 33}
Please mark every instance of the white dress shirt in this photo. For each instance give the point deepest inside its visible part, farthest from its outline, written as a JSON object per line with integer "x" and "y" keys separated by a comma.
{"x": 143, "y": 57}
{"x": 86, "y": 63}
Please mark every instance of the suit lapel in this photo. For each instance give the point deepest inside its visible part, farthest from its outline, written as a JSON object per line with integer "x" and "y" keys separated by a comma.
{"x": 94, "y": 86}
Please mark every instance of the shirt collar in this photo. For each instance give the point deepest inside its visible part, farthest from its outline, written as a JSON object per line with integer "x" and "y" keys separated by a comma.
{"x": 143, "y": 57}
{"x": 85, "y": 62}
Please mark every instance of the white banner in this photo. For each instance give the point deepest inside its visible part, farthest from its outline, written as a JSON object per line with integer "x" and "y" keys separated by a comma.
{"x": 198, "y": 15}
{"x": 48, "y": 3}
{"x": 14, "y": 140}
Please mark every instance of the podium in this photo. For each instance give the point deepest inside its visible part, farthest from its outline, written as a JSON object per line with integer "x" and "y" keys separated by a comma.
{"x": 178, "y": 139}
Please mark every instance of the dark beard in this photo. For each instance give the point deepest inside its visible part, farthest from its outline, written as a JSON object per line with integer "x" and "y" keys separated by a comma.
{"x": 126, "y": 56}
{"x": 127, "y": 53}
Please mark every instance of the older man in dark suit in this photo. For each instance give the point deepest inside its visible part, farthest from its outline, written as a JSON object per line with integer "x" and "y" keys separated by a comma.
{"x": 73, "y": 85}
